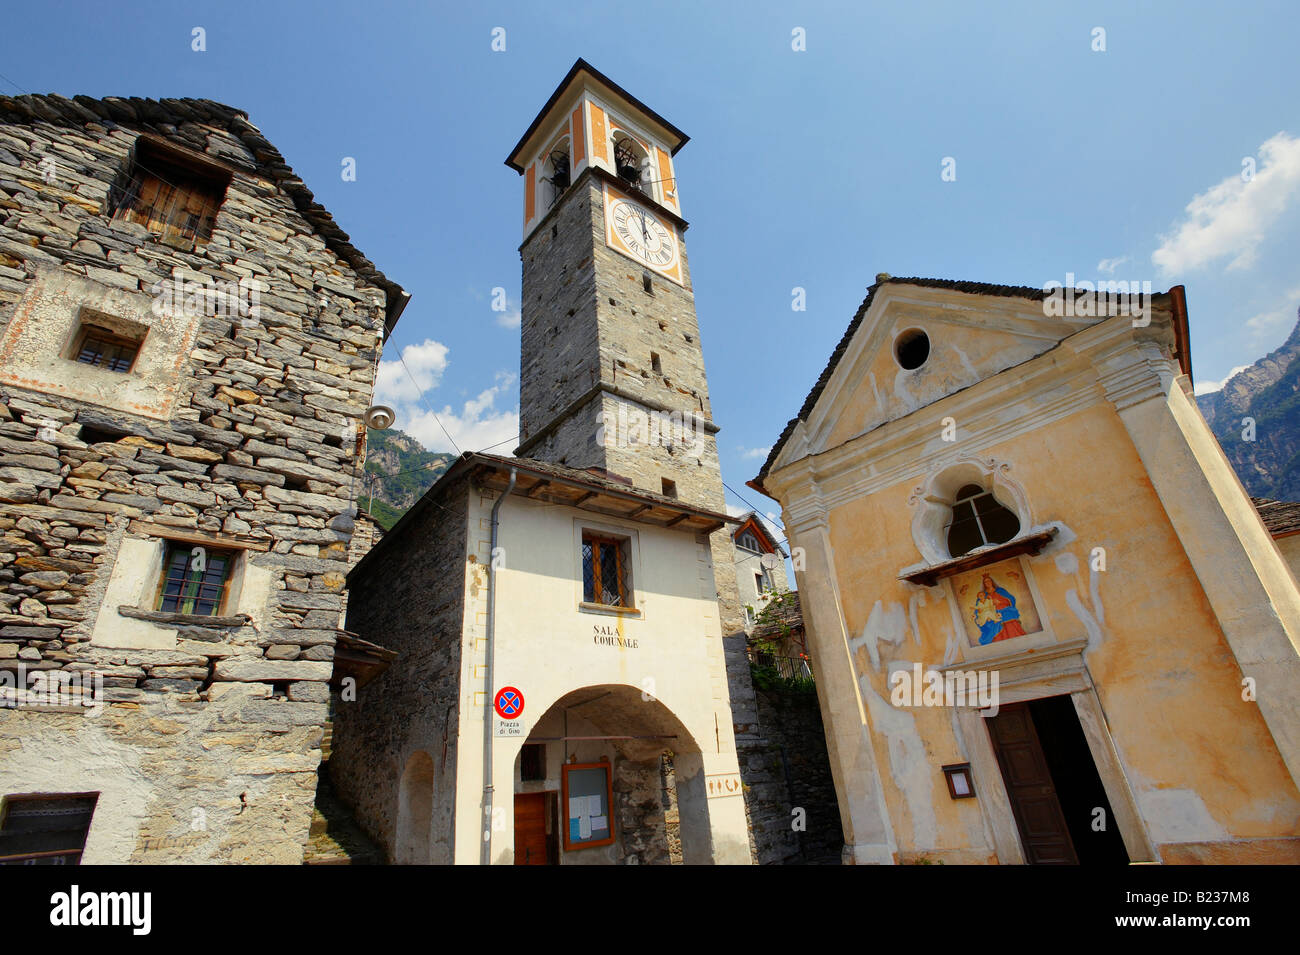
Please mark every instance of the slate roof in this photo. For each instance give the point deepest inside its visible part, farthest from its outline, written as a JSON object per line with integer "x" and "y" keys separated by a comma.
{"x": 956, "y": 285}
{"x": 1280, "y": 517}
{"x": 151, "y": 115}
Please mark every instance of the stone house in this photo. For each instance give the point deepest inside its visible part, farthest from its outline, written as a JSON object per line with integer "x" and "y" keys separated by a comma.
{"x": 1044, "y": 613}
{"x": 760, "y": 565}
{"x": 188, "y": 345}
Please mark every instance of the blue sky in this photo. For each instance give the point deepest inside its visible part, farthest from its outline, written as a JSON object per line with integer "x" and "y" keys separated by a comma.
{"x": 814, "y": 168}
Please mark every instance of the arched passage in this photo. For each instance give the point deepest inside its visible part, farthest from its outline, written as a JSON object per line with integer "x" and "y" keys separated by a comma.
{"x": 659, "y": 811}
{"x": 415, "y": 812}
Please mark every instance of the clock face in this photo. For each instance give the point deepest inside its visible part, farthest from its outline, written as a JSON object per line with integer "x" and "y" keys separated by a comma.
{"x": 641, "y": 234}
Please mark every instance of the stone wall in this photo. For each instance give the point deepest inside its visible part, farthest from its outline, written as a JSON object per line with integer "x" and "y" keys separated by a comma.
{"x": 787, "y": 770}
{"x": 408, "y": 597}
{"x": 206, "y": 744}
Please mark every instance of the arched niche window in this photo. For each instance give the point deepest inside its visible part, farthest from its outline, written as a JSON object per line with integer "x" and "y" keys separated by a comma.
{"x": 632, "y": 162}
{"x": 557, "y": 172}
{"x": 979, "y": 518}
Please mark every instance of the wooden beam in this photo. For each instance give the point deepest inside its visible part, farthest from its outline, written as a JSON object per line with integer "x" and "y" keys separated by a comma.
{"x": 678, "y": 519}
{"x": 640, "y": 510}
{"x": 584, "y": 499}
{"x": 537, "y": 487}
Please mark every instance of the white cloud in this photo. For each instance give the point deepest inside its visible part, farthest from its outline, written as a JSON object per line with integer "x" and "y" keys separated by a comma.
{"x": 1281, "y": 316}
{"x": 475, "y": 425}
{"x": 1232, "y": 217}
{"x": 751, "y": 453}
{"x": 1108, "y": 266}
{"x": 1210, "y": 387}
{"x": 510, "y": 318}
{"x": 426, "y": 362}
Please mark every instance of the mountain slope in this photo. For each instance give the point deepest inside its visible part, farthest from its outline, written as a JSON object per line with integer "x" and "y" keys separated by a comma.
{"x": 1268, "y": 392}
{"x": 398, "y": 471}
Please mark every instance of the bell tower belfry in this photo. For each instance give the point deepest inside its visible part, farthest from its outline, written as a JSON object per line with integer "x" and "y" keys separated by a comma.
{"x": 612, "y": 370}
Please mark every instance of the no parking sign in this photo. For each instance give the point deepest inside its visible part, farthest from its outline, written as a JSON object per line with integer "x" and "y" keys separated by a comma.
{"x": 509, "y": 707}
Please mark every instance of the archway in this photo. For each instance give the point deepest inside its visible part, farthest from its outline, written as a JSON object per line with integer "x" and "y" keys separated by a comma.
{"x": 657, "y": 802}
{"x": 414, "y": 844}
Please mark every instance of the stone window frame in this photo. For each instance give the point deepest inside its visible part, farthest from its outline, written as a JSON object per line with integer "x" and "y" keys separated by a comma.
{"x": 127, "y": 617}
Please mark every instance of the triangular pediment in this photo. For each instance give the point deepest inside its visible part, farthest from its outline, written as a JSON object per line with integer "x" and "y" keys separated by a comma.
{"x": 968, "y": 337}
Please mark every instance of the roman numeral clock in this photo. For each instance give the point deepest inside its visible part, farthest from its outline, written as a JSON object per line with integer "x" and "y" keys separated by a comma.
{"x": 640, "y": 234}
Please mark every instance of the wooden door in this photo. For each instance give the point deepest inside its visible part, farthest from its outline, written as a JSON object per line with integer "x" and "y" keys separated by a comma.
{"x": 530, "y": 829}
{"x": 1029, "y": 784}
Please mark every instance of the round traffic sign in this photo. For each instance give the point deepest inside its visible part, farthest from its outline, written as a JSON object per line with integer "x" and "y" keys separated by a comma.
{"x": 509, "y": 703}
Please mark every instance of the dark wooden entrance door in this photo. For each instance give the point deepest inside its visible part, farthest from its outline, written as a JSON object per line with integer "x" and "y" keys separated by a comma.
{"x": 530, "y": 829}
{"x": 1029, "y": 784}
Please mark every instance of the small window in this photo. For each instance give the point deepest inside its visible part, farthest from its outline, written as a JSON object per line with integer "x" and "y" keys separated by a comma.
{"x": 172, "y": 194}
{"x": 532, "y": 762}
{"x": 648, "y": 285}
{"x": 194, "y": 580}
{"x": 46, "y": 829}
{"x": 978, "y": 518}
{"x": 104, "y": 341}
{"x": 669, "y": 487}
{"x": 655, "y": 365}
{"x": 748, "y": 541}
{"x": 605, "y": 571}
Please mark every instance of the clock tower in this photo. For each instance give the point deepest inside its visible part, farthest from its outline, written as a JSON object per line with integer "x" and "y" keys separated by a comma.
{"x": 612, "y": 369}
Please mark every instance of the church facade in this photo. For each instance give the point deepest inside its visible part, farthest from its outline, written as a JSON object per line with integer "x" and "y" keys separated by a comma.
{"x": 1048, "y": 624}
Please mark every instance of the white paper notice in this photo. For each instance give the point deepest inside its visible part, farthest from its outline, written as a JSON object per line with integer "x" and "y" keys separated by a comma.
{"x": 584, "y": 827}
{"x": 599, "y": 823}
{"x": 577, "y": 807}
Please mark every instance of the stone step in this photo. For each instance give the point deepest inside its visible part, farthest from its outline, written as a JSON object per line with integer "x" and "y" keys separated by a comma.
{"x": 335, "y": 838}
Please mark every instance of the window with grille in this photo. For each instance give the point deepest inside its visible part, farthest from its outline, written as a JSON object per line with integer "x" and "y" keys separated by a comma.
{"x": 194, "y": 579}
{"x": 173, "y": 195}
{"x": 46, "y": 829}
{"x": 749, "y": 542}
{"x": 103, "y": 350}
{"x": 978, "y": 518}
{"x": 605, "y": 571}
{"x": 105, "y": 341}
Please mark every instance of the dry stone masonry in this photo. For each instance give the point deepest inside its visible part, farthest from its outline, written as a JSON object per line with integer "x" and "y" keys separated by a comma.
{"x": 237, "y": 431}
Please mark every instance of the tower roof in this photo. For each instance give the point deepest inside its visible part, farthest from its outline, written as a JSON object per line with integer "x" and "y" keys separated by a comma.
{"x": 584, "y": 72}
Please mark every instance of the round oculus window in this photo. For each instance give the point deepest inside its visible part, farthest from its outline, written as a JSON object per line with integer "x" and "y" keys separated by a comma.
{"x": 912, "y": 348}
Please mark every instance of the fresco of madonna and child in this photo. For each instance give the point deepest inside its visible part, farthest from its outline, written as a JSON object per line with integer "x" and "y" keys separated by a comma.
{"x": 996, "y": 604}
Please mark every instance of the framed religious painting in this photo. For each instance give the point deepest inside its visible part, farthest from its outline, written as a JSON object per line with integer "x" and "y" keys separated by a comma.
{"x": 997, "y": 604}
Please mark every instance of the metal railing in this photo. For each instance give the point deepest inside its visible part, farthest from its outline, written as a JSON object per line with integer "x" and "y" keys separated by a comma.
{"x": 788, "y": 668}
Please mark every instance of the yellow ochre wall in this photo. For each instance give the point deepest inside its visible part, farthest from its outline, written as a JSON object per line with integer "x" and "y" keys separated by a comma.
{"x": 1199, "y": 759}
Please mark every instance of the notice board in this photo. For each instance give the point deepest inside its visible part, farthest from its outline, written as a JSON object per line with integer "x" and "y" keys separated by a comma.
{"x": 587, "y": 798}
